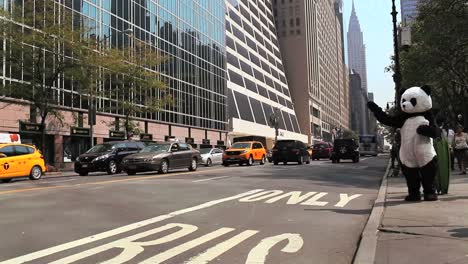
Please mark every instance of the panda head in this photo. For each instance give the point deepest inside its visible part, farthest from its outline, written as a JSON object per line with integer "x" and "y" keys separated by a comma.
{"x": 416, "y": 100}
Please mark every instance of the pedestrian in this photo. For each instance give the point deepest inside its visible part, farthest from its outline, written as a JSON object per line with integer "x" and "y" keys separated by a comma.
{"x": 460, "y": 147}
{"x": 395, "y": 153}
{"x": 448, "y": 134}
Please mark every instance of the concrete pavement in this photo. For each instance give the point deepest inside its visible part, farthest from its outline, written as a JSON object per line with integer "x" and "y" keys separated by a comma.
{"x": 262, "y": 214}
{"x": 424, "y": 232}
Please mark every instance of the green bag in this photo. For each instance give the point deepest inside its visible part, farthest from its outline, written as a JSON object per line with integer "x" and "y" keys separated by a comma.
{"x": 443, "y": 168}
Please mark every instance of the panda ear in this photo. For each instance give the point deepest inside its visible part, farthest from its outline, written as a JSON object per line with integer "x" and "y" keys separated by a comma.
{"x": 427, "y": 89}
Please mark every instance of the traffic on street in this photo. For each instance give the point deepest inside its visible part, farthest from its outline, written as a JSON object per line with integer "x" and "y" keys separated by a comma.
{"x": 258, "y": 214}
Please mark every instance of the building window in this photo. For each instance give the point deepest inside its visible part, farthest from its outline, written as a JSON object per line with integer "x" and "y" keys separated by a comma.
{"x": 298, "y": 21}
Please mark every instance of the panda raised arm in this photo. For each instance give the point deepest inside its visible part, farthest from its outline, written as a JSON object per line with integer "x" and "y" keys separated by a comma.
{"x": 396, "y": 120}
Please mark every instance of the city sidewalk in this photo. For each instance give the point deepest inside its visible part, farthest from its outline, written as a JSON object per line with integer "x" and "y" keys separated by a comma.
{"x": 424, "y": 232}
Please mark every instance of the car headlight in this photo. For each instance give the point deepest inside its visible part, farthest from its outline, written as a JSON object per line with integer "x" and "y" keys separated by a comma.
{"x": 102, "y": 157}
{"x": 77, "y": 159}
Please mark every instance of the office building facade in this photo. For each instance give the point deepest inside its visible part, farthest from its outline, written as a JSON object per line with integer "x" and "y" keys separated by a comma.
{"x": 191, "y": 34}
{"x": 359, "y": 112}
{"x": 311, "y": 41}
{"x": 257, "y": 85}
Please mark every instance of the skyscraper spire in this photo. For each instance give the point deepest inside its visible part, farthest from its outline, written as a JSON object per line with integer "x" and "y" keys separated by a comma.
{"x": 357, "y": 48}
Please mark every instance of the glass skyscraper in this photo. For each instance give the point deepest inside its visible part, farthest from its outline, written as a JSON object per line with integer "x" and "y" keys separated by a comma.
{"x": 191, "y": 34}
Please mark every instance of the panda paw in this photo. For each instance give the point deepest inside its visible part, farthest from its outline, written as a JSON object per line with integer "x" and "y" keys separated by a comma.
{"x": 373, "y": 106}
{"x": 425, "y": 130}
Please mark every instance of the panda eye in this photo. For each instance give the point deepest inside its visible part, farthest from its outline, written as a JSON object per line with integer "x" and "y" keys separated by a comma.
{"x": 413, "y": 101}
{"x": 404, "y": 100}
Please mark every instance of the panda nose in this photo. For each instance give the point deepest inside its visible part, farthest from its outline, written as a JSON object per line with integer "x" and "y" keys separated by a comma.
{"x": 404, "y": 106}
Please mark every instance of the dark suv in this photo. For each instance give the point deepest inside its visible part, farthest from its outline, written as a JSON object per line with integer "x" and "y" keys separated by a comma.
{"x": 345, "y": 149}
{"x": 106, "y": 157}
{"x": 290, "y": 151}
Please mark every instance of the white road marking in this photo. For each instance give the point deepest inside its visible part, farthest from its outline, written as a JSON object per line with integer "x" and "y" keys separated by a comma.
{"x": 315, "y": 200}
{"x": 364, "y": 159}
{"x": 131, "y": 248}
{"x": 214, "y": 178}
{"x": 260, "y": 196}
{"x": 294, "y": 197}
{"x": 221, "y": 248}
{"x": 120, "y": 230}
{"x": 259, "y": 253}
{"x": 345, "y": 199}
{"x": 170, "y": 253}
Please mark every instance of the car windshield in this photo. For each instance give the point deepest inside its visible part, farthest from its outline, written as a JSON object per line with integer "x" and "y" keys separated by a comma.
{"x": 101, "y": 148}
{"x": 205, "y": 150}
{"x": 156, "y": 148}
{"x": 285, "y": 144}
{"x": 241, "y": 145}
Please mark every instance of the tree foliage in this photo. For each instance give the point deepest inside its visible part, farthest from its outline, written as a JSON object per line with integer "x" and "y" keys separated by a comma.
{"x": 439, "y": 54}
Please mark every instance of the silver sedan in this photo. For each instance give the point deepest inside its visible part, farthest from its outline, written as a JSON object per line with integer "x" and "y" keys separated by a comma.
{"x": 211, "y": 156}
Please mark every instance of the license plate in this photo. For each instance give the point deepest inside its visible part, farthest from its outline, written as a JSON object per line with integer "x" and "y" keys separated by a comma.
{"x": 84, "y": 166}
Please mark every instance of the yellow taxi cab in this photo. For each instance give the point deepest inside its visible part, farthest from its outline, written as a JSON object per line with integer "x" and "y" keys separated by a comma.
{"x": 19, "y": 160}
{"x": 245, "y": 153}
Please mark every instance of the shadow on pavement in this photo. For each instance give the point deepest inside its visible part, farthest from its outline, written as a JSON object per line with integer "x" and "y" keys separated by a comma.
{"x": 345, "y": 211}
{"x": 459, "y": 232}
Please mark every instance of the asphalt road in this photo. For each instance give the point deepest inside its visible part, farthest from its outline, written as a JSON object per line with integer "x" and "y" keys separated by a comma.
{"x": 262, "y": 214}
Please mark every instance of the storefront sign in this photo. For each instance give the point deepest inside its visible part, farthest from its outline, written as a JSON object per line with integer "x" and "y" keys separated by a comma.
{"x": 9, "y": 138}
{"x": 116, "y": 134}
{"x": 206, "y": 142}
{"x": 146, "y": 137}
{"x": 189, "y": 140}
{"x": 30, "y": 127}
{"x": 79, "y": 131}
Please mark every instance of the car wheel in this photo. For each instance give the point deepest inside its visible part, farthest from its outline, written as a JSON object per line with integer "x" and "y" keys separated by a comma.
{"x": 118, "y": 171}
{"x": 262, "y": 162}
{"x": 193, "y": 165}
{"x": 131, "y": 172}
{"x": 164, "y": 167}
{"x": 338, "y": 161}
{"x": 6, "y": 180}
{"x": 83, "y": 173}
{"x": 301, "y": 160}
{"x": 250, "y": 161}
{"x": 209, "y": 163}
{"x": 333, "y": 161}
{"x": 275, "y": 163}
{"x": 285, "y": 162}
{"x": 308, "y": 162}
{"x": 36, "y": 173}
{"x": 226, "y": 164}
{"x": 112, "y": 167}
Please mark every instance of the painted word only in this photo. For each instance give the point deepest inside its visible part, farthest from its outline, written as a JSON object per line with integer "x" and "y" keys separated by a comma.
{"x": 297, "y": 197}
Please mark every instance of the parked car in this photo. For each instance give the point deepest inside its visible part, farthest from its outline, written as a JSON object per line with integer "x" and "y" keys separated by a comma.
{"x": 211, "y": 156}
{"x": 245, "y": 153}
{"x": 106, "y": 157}
{"x": 18, "y": 160}
{"x": 345, "y": 149}
{"x": 322, "y": 150}
{"x": 290, "y": 151}
{"x": 162, "y": 157}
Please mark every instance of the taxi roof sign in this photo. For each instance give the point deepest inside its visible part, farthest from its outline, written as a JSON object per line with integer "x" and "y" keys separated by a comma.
{"x": 10, "y": 138}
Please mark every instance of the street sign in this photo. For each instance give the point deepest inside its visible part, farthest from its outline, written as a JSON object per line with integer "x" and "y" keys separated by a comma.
{"x": 30, "y": 127}
{"x": 116, "y": 134}
{"x": 79, "y": 131}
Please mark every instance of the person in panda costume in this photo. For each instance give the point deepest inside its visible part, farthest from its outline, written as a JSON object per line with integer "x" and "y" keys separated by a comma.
{"x": 417, "y": 128}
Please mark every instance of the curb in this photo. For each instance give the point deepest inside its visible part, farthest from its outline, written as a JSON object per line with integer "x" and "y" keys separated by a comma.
{"x": 365, "y": 253}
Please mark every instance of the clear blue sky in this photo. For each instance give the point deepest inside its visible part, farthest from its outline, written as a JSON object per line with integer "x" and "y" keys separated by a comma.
{"x": 376, "y": 24}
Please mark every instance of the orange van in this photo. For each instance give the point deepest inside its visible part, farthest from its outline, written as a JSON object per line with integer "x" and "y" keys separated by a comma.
{"x": 18, "y": 160}
{"x": 245, "y": 153}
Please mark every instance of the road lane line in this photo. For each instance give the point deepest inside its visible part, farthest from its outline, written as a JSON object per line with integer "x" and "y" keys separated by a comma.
{"x": 52, "y": 250}
{"x": 103, "y": 182}
{"x": 209, "y": 179}
{"x": 170, "y": 253}
{"x": 259, "y": 253}
{"x": 219, "y": 249}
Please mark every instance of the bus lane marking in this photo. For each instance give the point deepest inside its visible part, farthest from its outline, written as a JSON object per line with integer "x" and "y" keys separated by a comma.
{"x": 296, "y": 197}
{"x": 86, "y": 240}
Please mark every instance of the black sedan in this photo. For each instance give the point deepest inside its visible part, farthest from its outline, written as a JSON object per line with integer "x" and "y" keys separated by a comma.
{"x": 162, "y": 157}
{"x": 290, "y": 151}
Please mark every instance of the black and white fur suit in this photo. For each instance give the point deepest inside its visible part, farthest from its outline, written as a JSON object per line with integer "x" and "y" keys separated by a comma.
{"x": 417, "y": 153}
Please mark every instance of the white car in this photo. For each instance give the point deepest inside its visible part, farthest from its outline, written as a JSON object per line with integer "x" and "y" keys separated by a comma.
{"x": 211, "y": 156}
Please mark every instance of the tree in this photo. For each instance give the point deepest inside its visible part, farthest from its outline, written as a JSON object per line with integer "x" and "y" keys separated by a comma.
{"x": 40, "y": 41}
{"x": 439, "y": 54}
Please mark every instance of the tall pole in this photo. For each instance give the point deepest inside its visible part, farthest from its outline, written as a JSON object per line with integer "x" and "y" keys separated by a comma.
{"x": 397, "y": 74}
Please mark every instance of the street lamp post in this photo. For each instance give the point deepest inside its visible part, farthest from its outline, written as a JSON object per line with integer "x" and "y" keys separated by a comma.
{"x": 397, "y": 72}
